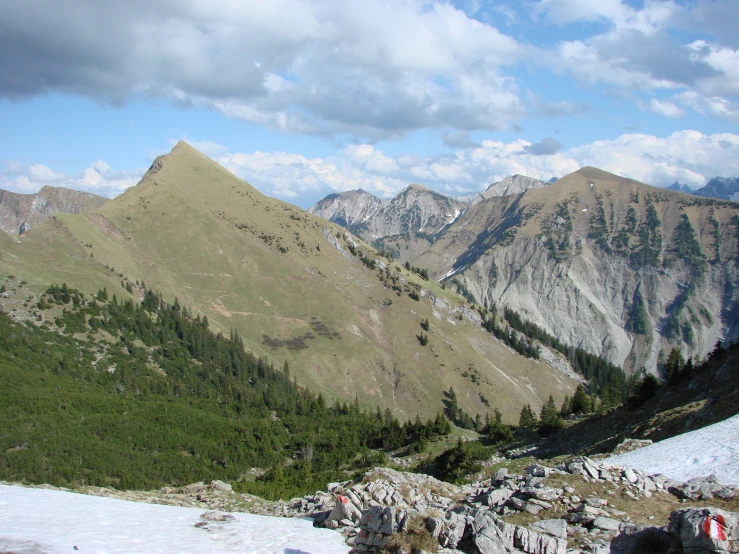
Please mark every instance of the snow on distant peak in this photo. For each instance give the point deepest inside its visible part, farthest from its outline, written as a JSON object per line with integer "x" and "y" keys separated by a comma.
{"x": 39, "y": 520}
{"x": 711, "y": 450}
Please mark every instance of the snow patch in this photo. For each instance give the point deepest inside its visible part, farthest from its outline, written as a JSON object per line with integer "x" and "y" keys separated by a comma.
{"x": 39, "y": 520}
{"x": 711, "y": 450}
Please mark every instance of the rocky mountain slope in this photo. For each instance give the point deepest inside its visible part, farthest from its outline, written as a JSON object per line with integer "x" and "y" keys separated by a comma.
{"x": 408, "y": 223}
{"x": 619, "y": 268}
{"x": 514, "y": 184}
{"x": 349, "y": 208}
{"x": 21, "y": 212}
{"x": 413, "y": 210}
{"x": 720, "y": 187}
{"x": 295, "y": 287}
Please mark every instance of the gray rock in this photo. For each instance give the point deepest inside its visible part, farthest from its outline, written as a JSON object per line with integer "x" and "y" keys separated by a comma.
{"x": 606, "y": 523}
{"x": 595, "y": 502}
{"x": 216, "y": 516}
{"x": 705, "y": 530}
{"x": 435, "y": 526}
{"x": 498, "y": 497}
{"x": 220, "y": 486}
{"x": 630, "y": 475}
{"x": 554, "y": 527}
{"x": 538, "y": 470}
{"x": 525, "y": 506}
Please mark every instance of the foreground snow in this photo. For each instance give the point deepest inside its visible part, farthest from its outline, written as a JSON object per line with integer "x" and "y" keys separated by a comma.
{"x": 713, "y": 449}
{"x": 35, "y": 521}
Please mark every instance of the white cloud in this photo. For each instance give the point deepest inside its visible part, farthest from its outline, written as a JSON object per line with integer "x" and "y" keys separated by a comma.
{"x": 99, "y": 178}
{"x": 687, "y": 156}
{"x": 640, "y": 52}
{"x": 663, "y": 107}
{"x": 366, "y": 68}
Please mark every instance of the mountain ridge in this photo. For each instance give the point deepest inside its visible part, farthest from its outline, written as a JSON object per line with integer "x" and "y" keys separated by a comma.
{"x": 20, "y": 212}
{"x": 297, "y": 288}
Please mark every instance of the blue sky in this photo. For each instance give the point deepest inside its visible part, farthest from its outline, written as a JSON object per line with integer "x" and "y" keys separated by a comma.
{"x": 304, "y": 98}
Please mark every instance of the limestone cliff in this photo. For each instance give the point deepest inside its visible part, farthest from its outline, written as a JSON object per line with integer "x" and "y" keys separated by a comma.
{"x": 20, "y": 212}
{"x": 610, "y": 265}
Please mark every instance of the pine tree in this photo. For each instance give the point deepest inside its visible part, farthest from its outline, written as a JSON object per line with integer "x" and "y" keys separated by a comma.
{"x": 580, "y": 401}
{"x": 527, "y": 417}
{"x": 674, "y": 366}
{"x": 550, "y": 419}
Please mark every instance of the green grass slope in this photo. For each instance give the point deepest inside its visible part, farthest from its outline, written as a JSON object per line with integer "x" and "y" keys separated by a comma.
{"x": 192, "y": 230}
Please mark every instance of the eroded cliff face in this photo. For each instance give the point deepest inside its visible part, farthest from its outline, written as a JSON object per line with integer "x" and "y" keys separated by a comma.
{"x": 21, "y": 212}
{"x": 348, "y": 208}
{"x": 616, "y": 267}
{"x": 587, "y": 301}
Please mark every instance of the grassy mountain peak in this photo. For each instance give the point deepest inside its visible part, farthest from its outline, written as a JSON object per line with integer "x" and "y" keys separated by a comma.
{"x": 295, "y": 287}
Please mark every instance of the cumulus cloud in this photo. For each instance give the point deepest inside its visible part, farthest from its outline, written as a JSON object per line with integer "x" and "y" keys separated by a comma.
{"x": 99, "y": 178}
{"x": 663, "y": 107}
{"x": 640, "y": 50}
{"x": 687, "y": 156}
{"x": 544, "y": 147}
{"x": 370, "y": 69}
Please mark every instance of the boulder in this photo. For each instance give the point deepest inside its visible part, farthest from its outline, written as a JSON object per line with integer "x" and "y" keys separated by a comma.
{"x": 343, "y": 510}
{"x": 538, "y": 470}
{"x": 606, "y": 524}
{"x": 220, "y": 486}
{"x": 554, "y": 527}
{"x": 498, "y": 497}
{"x": 494, "y": 536}
{"x": 705, "y": 530}
{"x": 542, "y": 493}
{"x": 701, "y": 488}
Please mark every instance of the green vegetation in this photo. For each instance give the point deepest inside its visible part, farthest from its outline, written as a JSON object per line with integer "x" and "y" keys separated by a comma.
{"x": 148, "y": 396}
{"x": 549, "y": 420}
{"x": 528, "y": 417}
{"x": 638, "y": 317}
{"x": 454, "y": 464}
{"x": 422, "y": 273}
{"x": 594, "y": 368}
{"x": 515, "y": 340}
{"x": 686, "y": 247}
{"x": 599, "y": 226}
{"x": 650, "y": 240}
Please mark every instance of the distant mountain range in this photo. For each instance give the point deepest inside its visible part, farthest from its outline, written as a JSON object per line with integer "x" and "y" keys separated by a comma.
{"x": 21, "y": 212}
{"x": 619, "y": 268}
{"x": 726, "y": 188}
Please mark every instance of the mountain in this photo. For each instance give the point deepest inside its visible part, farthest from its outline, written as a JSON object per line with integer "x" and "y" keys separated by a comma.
{"x": 404, "y": 225}
{"x": 20, "y": 212}
{"x": 680, "y": 187}
{"x": 295, "y": 287}
{"x": 407, "y": 224}
{"x": 720, "y": 187}
{"x": 413, "y": 210}
{"x": 514, "y": 184}
{"x": 619, "y": 268}
{"x": 348, "y": 208}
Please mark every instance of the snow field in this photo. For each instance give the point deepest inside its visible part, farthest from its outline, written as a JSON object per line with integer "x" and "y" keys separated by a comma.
{"x": 35, "y": 521}
{"x": 711, "y": 450}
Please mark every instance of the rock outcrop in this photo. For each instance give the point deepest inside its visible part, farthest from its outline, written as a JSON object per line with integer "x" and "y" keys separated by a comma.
{"x": 387, "y": 504}
{"x": 21, "y": 212}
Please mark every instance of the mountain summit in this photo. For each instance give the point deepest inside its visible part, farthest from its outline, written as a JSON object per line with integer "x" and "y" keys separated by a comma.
{"x": 295, "y": 288}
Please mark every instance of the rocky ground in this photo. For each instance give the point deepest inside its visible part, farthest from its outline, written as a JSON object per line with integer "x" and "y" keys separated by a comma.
{"x": 581, "y": 505}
